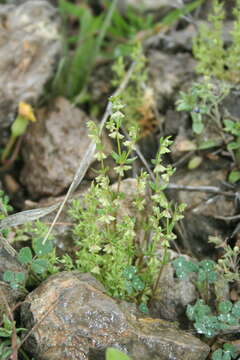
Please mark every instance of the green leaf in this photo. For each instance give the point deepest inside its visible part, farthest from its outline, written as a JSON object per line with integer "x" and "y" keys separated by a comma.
{"x": 234, "y": 176}
{"x": 39, "y": 266}
{"x": 71, "y": 9}
{"x": 8, "y": 276}
{"x": 207, "y": 265}
{"x": 207, "y": 325}
{"x": 230, "y": 349}
{"x": 217, "y": 355}
{"x": 236, "y": 309}
{"x": 40, "y": 248}
{"x": 129, "y": 272}
{"x": 25, "y": 255}
{"x": 129, "y": 287}
{"x": 233, "y": 145}
{"x": 143, "y": 308}
{"x": 198, "y": 127}
{"x": 20, "y": 277}
{"x": 137, "y": 283}
{"x": 183, "y": 267}
{"x": 195, "y": 162}
{"x": 208, "y": 144}
{"x": 176, "y": 14}
{"x": 114, "y": 354}
{"x": 19, "y": 126}
{"x": 225, "y": 307}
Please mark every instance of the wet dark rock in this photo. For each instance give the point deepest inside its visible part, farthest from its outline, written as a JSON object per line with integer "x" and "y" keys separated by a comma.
{"x": 173, "y": 295}
{"x": 29, "y": 47}
{"x": 81, "y": 321}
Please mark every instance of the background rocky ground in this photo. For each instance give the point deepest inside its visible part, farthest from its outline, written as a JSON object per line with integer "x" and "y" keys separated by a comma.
{"x": 76, "y": 318}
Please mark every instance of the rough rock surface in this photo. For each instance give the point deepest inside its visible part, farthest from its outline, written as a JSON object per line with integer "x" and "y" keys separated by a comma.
{"x": 173, "y": 295}
{"x": 29, "y": 47}
{"x": 81, "y": 321}
{"x": 168, "y": 73}
{"x": 61, "y": 137}
{"x": 202, "y": 217}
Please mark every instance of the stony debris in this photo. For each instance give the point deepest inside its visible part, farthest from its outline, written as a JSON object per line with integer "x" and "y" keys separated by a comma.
{"x": 204, "y": 215}
{"x": 168, "y": 73}
{"x": 173, "y": 294}
{"x": 29, "y": 47}
{"x": 79, "y": 321}
{"x": 61, "y": 137}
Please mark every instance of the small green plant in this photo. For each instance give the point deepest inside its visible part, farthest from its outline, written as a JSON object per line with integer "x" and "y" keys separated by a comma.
{"x": 6, "y": 332}
{"x": 137, "y": 108}
{"x": 202, "y": 101}
{"x": 109, "y": 242}
{"x": 228, "y": 352}
{"x": 228, "y": 266}
{"x": 76, "y": 66}
{"x": 19, "y": 126}
{"x": 233, "y": 128}
{"x": 115, "y": 354}
{"x": 205, "y": 270}
{"x": 209, "y": 49}
{"x": 5, "y": 207}
{"x": 206, "y": 323}
{"x": 37, "y": 262}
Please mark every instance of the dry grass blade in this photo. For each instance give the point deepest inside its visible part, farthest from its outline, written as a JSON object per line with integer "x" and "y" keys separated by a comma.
{"x": 26, "y": 216}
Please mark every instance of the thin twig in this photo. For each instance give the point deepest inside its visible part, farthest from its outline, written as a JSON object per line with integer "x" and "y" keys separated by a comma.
{"x": 228, "y": 218}
{"x": 206, "y": 189}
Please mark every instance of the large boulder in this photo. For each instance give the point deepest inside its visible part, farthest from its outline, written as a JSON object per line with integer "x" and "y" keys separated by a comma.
{"x": 77, "y": 320}
{"x": 29, "y": 47}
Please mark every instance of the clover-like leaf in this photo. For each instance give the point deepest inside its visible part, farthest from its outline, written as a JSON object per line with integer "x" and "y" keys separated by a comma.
{"x": 20, "y": 277}
{"x": 225, "y": 307}
{"x": 25, "y": 255}
{"x": 129, "y": 287}
{"x": 40, "y": 248}
{"x": 236, "y": 309}
{"x": 129, "y": 272}
{"x": 137, "y": 283}
{"x": 143, "y": 308}
{"x": 207, "y": 325}
{"x": 183, "y": 267}
{"x": 8, "y": 276}
{"x": 39, "y": 266}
